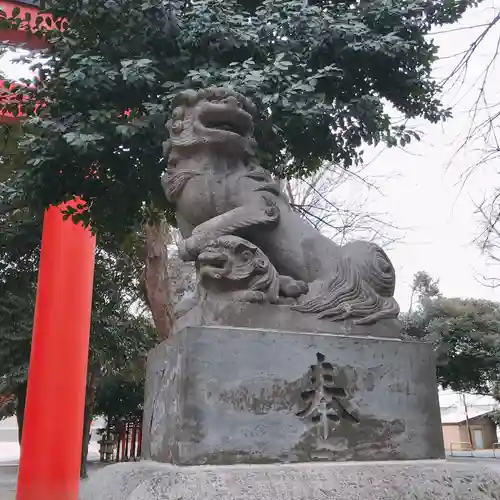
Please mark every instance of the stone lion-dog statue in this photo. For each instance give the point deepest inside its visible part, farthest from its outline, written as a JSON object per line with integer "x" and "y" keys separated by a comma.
{"x": 220, "y": 190}
{"x": 231, "y": 267}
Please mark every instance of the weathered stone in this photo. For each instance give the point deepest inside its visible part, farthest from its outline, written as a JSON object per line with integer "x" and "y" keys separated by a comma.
{"x": 231, "y": 268}
{"x": 236, "y": 281}
{"x": 209, "y": 312}
{"x": 422, "y": 480}
{"x": 220, "y": 190}
{"x": 225, "y": 396}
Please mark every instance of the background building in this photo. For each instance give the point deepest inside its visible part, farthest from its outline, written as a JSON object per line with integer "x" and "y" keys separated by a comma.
{"x": 479, "y": 411}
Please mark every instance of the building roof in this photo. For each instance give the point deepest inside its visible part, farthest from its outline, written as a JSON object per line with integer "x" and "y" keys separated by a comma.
{"x": 456, "y": 414}
{"x": 452, "y": 406}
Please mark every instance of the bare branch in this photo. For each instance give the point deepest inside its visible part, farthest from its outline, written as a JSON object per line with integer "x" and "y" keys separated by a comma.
{"x": 463, "y": 64}
{"x": 483, "y": 115}
{"x": 482, "y": 135}
{"x": 488, "y": 239}
{"x": 317, "y": 200}
{"x": 461, "y": 28}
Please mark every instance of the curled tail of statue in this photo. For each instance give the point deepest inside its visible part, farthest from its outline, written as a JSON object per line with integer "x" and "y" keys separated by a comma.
{"x": 362, "y": 288}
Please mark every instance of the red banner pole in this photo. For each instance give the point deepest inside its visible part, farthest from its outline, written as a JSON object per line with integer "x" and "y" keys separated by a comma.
{"x": 139, "y": 440}
{"x": 133, "y": 444}
{"x": 51, "y": 446}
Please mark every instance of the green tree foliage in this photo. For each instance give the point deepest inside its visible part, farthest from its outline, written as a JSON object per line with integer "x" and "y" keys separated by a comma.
{"x": 425, "y": 287}
{"x": 466, "y": 333}
{"x": 11, "y": 158}
{"x": 121, "y": 399}
{"x": 117, "y": 333}
{"x": 321, "y": 73}
{"x": 8, "y": 406}
{"x": 20, "y": 235}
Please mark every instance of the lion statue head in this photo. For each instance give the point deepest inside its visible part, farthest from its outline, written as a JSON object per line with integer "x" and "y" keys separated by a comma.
{"x": 235, "y": 269}
{"x": 217, "y": 118}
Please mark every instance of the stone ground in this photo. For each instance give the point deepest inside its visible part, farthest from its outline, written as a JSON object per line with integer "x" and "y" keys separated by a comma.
{"x": 9, "y": 455}
{"x": 8, "y": 473}
{"x": 8, "y": 478}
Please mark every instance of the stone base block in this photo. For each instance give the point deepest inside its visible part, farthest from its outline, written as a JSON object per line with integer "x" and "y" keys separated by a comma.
{"x": 422, "y": 480}
{"x": 221, "y": 396}
{"x": 276, "y": 317}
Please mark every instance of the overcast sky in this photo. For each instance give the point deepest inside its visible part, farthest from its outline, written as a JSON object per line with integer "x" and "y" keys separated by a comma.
{"x": 421, "y": 189}
{"x": 427, "y": 192}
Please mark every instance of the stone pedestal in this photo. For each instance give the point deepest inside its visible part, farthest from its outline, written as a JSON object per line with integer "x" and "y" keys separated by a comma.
{"x": 423, "y": 480}
{"x": 218, "y": 395}
{"x": 223, "y": 313}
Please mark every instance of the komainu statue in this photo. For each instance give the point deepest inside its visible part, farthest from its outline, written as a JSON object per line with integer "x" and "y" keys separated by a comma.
{"x": 249, "y": 245}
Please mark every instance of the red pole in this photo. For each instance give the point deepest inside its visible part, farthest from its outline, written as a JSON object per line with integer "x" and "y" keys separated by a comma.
{"x": 51, "y": 445}
{"x": 134, "y": 437}
{"x": 121, "y": 443}
{"x": 139, "y": 441}
{"x": 124, "y": 437}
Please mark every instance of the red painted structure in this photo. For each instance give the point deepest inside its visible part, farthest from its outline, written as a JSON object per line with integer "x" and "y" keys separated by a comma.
{"x": 30, "y": 15}
{"x": 53, "y": 423}
{"x": 129, "y": 443}
{"x": 7, "y": 96}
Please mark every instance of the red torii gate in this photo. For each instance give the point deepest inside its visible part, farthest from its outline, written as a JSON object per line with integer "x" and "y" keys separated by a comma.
{"x": 51, "y": 445}
{"x": 29, "y": 14}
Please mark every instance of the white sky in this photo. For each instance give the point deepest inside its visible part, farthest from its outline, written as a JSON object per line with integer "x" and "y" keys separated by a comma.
{"x": 421, "y": 188}
{"x": 450, "y": 398}
{"x": 427, "y": 193}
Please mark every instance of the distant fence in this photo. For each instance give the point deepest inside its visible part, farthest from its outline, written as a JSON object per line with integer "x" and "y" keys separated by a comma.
{"x": 463, "y": 446}
{"x": 461, "y": 449}
{"x": 123, "y": 445}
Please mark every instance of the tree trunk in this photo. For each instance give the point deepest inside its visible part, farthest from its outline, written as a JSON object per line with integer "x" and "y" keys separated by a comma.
{"x": 87, "y": 419}
{"x": 156, "y": 280}
{"x": 20, "y": 393}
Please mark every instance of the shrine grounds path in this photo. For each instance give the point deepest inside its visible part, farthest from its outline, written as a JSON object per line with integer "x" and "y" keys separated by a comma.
{"x": 8, "y": 479}
{"x": 9, "y": 456}
{"x": 8, "y": 473}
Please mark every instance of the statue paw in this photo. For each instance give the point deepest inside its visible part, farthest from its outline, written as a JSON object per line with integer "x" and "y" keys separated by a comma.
{"x": 290, "y": 287}
{"x": 255, "y": 297}
{"x": 187, "y": 250}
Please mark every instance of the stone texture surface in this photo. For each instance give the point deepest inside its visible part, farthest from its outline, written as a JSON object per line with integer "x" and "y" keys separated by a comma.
{"x": 209, "y": 312}
{"x": 227, "y": 395}
{"x": 219, "y": 189}
{"x": 424, "y": 480}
